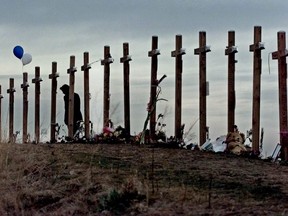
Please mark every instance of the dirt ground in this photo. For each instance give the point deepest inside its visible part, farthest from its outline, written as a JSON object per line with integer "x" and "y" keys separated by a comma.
{"x": 124, "y": 179}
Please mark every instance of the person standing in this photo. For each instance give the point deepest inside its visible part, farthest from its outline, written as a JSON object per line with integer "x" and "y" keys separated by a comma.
{"x": 77, "y": 110}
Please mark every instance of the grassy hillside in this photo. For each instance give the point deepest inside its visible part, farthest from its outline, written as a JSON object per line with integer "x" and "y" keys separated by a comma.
{"x": 122, "y": 179}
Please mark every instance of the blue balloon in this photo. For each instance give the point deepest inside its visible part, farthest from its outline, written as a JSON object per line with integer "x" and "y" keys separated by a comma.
{"x": 18, "y": 51}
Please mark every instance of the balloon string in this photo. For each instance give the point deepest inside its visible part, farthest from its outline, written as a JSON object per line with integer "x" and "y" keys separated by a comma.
{"x": 95, "y": 61}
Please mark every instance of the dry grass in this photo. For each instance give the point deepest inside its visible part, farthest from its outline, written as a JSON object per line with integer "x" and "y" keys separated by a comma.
{"x": 70, "y": 179}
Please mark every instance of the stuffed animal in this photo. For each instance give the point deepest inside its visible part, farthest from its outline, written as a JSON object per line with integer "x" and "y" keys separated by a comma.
{"x": 235, "y": 142}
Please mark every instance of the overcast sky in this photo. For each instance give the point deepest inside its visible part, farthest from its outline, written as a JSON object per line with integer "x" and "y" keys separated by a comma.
{"x": 55, "y": 29}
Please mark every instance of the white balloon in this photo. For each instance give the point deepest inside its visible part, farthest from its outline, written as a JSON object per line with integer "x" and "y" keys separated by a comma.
{"x": 26, "y": 58}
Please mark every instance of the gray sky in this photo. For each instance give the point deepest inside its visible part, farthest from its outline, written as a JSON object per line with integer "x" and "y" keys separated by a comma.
{"x": 55, "y": 29}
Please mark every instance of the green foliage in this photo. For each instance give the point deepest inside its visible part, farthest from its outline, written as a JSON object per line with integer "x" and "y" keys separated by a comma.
{"x": 118, "y": 202}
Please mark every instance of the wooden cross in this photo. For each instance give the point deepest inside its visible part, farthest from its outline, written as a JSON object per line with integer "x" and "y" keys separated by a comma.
{"x": 37, "y": 81}
{"x": 177, "y": 53}
{"x": 24, "y": 87}
{"x": 53, "y": 76}
{"x": 11, "y": 91}
{"x": 106, "y": 103}
{"x": 203, "y": 91}
{"x": 126, "y": 71}
{"x": 71, "y": 71}
{"x": 281, "y": 55}
{"x": 1, "y": 97}
{"x": 153, "y": 83}
{"x": 86, "y": 68}
{"x": 230, "y": 51}
{"x": 257, "y": 68}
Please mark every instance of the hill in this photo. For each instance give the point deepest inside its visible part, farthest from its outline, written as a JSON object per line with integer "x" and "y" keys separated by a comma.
{"x": 123, "y": 179}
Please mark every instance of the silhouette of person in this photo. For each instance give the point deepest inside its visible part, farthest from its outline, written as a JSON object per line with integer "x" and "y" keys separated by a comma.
{"x": 77, "y": 111}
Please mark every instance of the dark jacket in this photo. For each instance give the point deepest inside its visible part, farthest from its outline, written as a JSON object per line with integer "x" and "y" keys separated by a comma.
{"x": 77, "y": 112}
